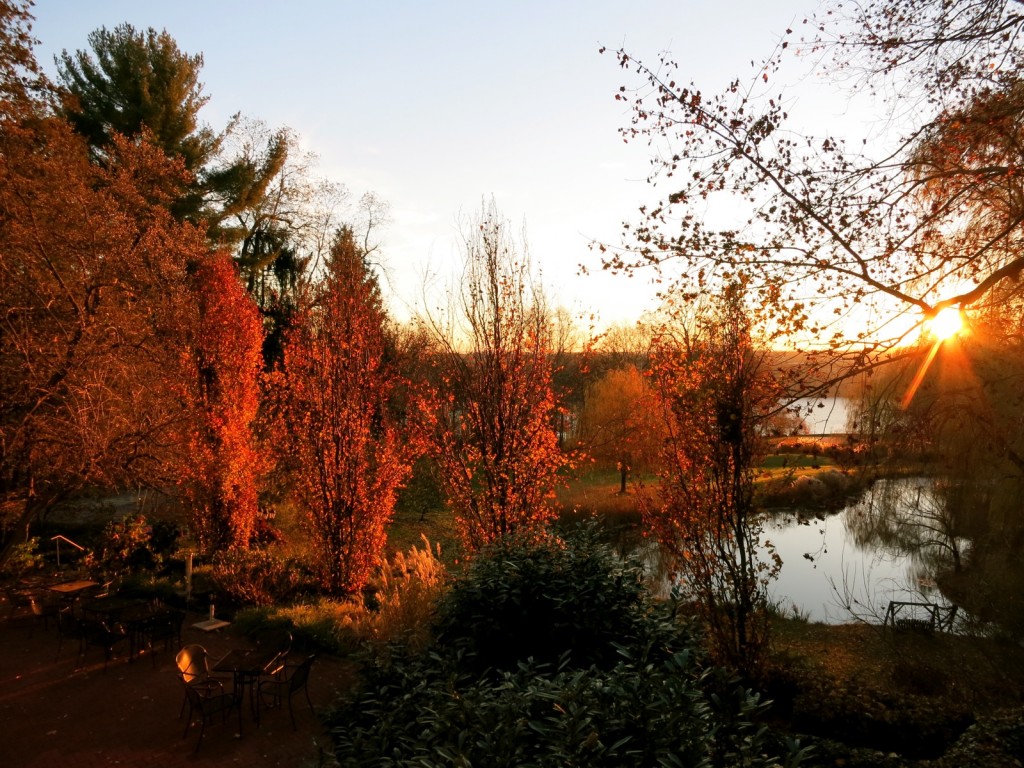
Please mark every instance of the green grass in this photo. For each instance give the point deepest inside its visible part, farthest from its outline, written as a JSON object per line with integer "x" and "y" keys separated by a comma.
{"x": 597, "y": 493}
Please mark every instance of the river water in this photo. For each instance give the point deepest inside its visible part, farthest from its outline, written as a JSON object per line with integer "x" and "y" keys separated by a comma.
{"x": 828, "y": 416}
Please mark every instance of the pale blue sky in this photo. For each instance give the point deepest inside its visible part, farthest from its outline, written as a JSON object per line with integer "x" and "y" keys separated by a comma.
{"x": 437, "y": 105}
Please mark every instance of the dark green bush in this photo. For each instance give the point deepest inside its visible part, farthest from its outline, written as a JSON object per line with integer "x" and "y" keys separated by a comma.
{"x": 431, "y": 713}
{"x": 550, "y": 654}
{"x": 527, "y": 599}
{"x": 126, "y": 546}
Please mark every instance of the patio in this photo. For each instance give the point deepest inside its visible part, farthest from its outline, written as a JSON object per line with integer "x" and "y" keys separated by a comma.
{"x": 127, "y": 715}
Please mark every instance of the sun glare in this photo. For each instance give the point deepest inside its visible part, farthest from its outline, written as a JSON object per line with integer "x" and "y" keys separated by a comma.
{"x": 946, "y": 324}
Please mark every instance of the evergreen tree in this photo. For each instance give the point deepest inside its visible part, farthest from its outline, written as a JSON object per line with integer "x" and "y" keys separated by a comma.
{"x": 136, "y": 83}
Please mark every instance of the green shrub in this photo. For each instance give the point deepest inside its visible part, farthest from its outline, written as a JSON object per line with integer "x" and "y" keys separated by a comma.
{"x": 524, "y": 599}
{"x": 256, "y": 576}
{"x": 148, "y": 586}
{"x": 127, "y": 546}
{"x": 320, "y": 625}
{"x": 550, "y": 654}
{"x": 429, "y": 712}
{"x": 24, "y": 559}
{"x": 404, "y": 593}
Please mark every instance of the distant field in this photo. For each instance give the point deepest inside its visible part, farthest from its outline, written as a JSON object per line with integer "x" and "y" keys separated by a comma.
{"x": 595, "y": 492}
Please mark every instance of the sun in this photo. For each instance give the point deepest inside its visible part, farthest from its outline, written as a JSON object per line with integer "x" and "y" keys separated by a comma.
{"x": 946, "y": 324}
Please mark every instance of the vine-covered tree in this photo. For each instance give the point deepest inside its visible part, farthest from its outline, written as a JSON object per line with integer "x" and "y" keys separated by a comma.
{"x": 715, "y": 394}
{"x": 341, "y": 434}
{"x": 221, "y": 476}
{"x": 493, "y": 428}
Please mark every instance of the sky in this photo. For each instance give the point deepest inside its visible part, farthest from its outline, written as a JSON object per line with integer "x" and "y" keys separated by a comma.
{"x": 439, "y": 106}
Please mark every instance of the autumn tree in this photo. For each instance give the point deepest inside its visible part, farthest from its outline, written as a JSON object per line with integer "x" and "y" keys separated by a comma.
{"x": 19, "y": 71}
{"x": 715, "y": 391}
{"x": 93, "y": 306}
{"x": 341, "y": 433}
{"x": 960, "y": 405}
{"x": 493, "y": 428}
{"x": 221, "y": 476}
{"x": 618, "y": 424}
{"x": 853, "y": 240}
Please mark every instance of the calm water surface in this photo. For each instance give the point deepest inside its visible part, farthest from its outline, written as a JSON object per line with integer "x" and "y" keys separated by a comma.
{"x": 847, "y": 566}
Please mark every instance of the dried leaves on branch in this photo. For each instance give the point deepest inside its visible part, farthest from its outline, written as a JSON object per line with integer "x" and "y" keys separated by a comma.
{"x": 493, "y": 422}
{"x": 715, "y": 394}
{"x": 852, "y": 237}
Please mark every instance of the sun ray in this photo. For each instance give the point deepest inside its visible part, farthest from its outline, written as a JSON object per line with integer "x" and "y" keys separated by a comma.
{"x": 919, "y": 376}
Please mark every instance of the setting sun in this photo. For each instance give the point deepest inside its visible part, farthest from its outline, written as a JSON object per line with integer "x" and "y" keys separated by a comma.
{"x": 946, "y": 324}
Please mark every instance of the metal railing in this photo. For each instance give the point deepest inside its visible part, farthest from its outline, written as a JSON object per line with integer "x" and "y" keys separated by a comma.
{"x": 59, "y": 538}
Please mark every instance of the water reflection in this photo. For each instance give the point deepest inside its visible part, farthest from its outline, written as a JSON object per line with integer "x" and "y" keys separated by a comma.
{"x": 824, "y": 416}
{"x": 890, "y": 544}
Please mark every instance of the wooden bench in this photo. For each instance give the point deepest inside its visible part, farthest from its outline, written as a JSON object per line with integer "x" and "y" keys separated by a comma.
{"x": 923, "y": 617}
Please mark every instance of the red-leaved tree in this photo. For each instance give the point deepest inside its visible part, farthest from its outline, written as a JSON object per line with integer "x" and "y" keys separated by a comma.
{"x": 715, "y": 393}
{"x": 493, "y": 419}
{"x": 341, "y": 434}
{"x": 221, "y": 474}
{"x": 94, "y": 301}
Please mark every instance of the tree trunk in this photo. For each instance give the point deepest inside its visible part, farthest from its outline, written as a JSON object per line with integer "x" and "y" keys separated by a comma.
{"x": 33, "y": 506}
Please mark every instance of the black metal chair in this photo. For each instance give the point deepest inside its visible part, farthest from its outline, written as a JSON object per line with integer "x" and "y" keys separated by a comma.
{"x": 44, "y": 609}
{"x": 272, "y": 647}
{"x": 204, "y": 704}
{"x": 291, "y": 679}
{"x": 88, "y": 633}
{"x": 164, "y": 625}
{"x": 194, "y": 670}
{"x": 19, "y": 599}
{"x": 205, "y": 696}
{"x": 276, "y": 641}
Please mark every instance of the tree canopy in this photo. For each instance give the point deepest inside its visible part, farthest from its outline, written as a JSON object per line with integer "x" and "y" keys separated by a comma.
{"x": 135, "y": 80}
{"x": 853, "y": 240}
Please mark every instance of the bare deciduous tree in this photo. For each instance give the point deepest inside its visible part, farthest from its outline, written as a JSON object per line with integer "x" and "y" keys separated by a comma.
{"x": 493, "y": 427}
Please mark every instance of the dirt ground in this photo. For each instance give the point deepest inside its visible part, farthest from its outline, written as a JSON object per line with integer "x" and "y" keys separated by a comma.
{"x": 52, "y": 714}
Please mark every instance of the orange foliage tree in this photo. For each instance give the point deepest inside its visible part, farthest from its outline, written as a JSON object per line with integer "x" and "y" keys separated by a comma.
{"x": 93, "y": 304}
{"x": 715, "y": 394}
{"x": 492, "y": 428}
{"x": 128, "y": 354}
{"x": 341, "y": 434}
{"x": 618, "y": 424}
{"x": 221, "y": 475}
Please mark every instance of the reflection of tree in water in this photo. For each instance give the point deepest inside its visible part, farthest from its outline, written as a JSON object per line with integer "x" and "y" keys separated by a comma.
{"x": 991, "y": 583}
{"x": 911, "y": 517}
{"x": 956, "y": 535}
{"x": 628, "y": 539}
